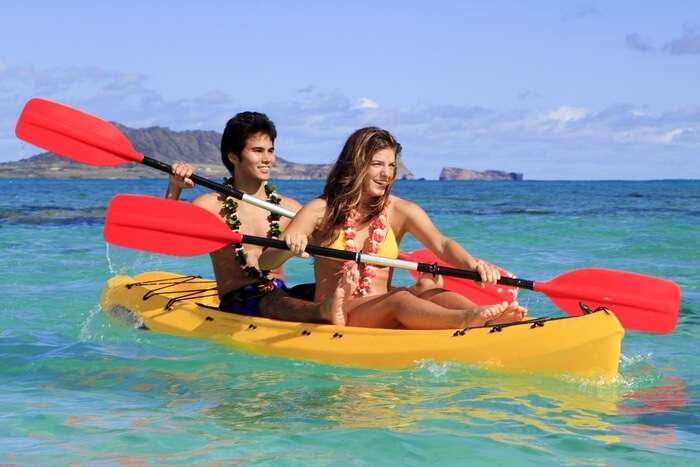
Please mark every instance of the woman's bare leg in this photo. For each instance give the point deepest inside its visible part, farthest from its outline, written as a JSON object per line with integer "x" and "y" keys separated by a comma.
{"x": 448, "y": 299}
{"x": 513, "y": 313}
{"x": 401, "y": 308}
{"x": 426, "y": 282}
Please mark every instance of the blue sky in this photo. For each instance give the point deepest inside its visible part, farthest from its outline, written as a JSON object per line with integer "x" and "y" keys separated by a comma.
{"x": 557, "y": 90}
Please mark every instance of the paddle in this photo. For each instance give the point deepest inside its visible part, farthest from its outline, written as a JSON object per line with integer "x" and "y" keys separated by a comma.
{"x": 158, "y": 225}
{"x": 85, "y": 138}
{"x": 88, "y": 139}
{"x": 481, "y": 295}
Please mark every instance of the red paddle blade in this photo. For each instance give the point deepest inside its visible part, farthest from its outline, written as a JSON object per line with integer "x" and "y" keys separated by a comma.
{"x": 165, "y": 226}
{"x": 487, "y": 295}
{"x": 640, "y": 302}
{"x": 74, "y": 134}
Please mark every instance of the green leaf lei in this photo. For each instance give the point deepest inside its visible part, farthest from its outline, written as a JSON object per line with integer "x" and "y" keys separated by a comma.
{"x": 234, "y": 223}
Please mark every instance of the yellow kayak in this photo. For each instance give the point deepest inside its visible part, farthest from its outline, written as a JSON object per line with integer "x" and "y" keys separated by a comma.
{"x": 587, "y": 345}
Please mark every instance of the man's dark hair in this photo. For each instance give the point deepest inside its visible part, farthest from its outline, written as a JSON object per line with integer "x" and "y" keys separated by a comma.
{"x": 239, "y": 129}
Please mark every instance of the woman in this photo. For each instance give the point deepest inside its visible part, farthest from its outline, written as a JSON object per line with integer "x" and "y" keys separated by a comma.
{"x": 357, "y": 211}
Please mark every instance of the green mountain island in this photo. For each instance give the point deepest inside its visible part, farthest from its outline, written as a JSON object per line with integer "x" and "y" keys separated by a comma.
{"x": 199, "y": 148}
{"x": 196, "y": 147}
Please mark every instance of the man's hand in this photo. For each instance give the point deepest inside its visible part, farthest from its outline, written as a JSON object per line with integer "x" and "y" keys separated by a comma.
{"x": 180, "y": 176}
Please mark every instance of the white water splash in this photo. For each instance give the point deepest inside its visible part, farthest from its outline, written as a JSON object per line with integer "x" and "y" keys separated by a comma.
{"x": 109, "y": 260}
{"x": 436, "y": 369}
{"x": 86, "y": 333}
{"x": 626, "y": 361}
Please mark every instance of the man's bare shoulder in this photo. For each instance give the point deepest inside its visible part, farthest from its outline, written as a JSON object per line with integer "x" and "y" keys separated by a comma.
{"x": 209, "y": 201}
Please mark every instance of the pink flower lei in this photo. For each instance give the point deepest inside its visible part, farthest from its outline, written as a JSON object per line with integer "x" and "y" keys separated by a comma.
{"x": 357, "y": 276}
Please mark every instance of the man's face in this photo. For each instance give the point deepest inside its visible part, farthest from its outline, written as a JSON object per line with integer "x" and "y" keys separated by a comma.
{"x": 256, "y": 159}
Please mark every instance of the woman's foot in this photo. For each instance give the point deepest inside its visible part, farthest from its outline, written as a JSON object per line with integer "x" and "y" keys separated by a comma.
{"x": 512, "y": 314}
{"x": 484, "y": 314}
{"x": 501, "y": 313}
{"x": 332, "y": 308}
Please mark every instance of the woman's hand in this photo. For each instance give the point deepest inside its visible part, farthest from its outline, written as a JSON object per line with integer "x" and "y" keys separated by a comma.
{"x": 488, "y": 272}
{"x": 297, "y": 243}
{"x": 180, "y": 176}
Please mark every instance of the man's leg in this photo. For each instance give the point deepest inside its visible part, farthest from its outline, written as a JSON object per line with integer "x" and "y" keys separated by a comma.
{"x": 282, "y": 306}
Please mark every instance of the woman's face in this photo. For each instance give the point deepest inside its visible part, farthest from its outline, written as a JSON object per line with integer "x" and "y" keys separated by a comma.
{"x": 380, "y": 173}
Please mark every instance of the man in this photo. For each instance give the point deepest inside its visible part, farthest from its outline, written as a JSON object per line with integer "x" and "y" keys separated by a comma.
{"x": 247, "y": 151}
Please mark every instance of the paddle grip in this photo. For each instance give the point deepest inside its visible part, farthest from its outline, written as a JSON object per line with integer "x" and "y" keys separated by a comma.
{"x": 158, "y": 165}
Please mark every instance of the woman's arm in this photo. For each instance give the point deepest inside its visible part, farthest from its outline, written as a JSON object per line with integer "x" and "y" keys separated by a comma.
{"x": 296, "y": 235}
{"x": 416, "y": 222}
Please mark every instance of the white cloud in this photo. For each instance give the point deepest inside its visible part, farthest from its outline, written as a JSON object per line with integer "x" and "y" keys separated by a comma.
{"x": 655, "y": 136}
{"x": 528, "y": 95}
{"x": 123, "y": 97}
{"x": 366, "y": 103}
{"x": 578, "y": 12}
{"x": 669, "y": 136}
{"x": 636, "y": 42}
{"x": 314, "y": 124}
{"x": 567, "y": 114}
{"x": 688, "y": 43}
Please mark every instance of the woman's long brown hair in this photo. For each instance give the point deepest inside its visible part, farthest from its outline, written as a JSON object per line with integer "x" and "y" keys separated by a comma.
{"x": 343, "y": 190}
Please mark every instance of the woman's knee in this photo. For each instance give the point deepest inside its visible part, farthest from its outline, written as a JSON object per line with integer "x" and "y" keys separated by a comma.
{"x": 428, "y": 294}
{"x": 403, "y": 296}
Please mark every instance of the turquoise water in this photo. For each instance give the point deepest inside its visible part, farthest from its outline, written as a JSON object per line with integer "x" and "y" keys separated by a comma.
{"x": 77, "y": 387}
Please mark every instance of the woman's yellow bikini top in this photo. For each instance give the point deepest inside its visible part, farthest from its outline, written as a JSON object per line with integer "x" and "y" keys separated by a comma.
{"x": 389, "y": 248}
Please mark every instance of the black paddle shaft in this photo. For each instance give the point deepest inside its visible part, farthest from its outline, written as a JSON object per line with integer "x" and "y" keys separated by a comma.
{"x": 357, "y": 256}
{"x": 156, "y": 164}
{"x": 473, "y": 275}
{"x": 310, "y": 249}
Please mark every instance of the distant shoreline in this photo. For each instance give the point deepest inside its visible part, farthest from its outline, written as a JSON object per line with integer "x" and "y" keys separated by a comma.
{"x": 43, "y": 178}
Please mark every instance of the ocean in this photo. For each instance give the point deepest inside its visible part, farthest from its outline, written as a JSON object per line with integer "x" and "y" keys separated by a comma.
{"x": 77, "y": 387}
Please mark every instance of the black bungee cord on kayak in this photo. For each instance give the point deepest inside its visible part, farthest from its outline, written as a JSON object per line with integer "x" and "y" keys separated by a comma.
{"x": 182, "y": 295}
